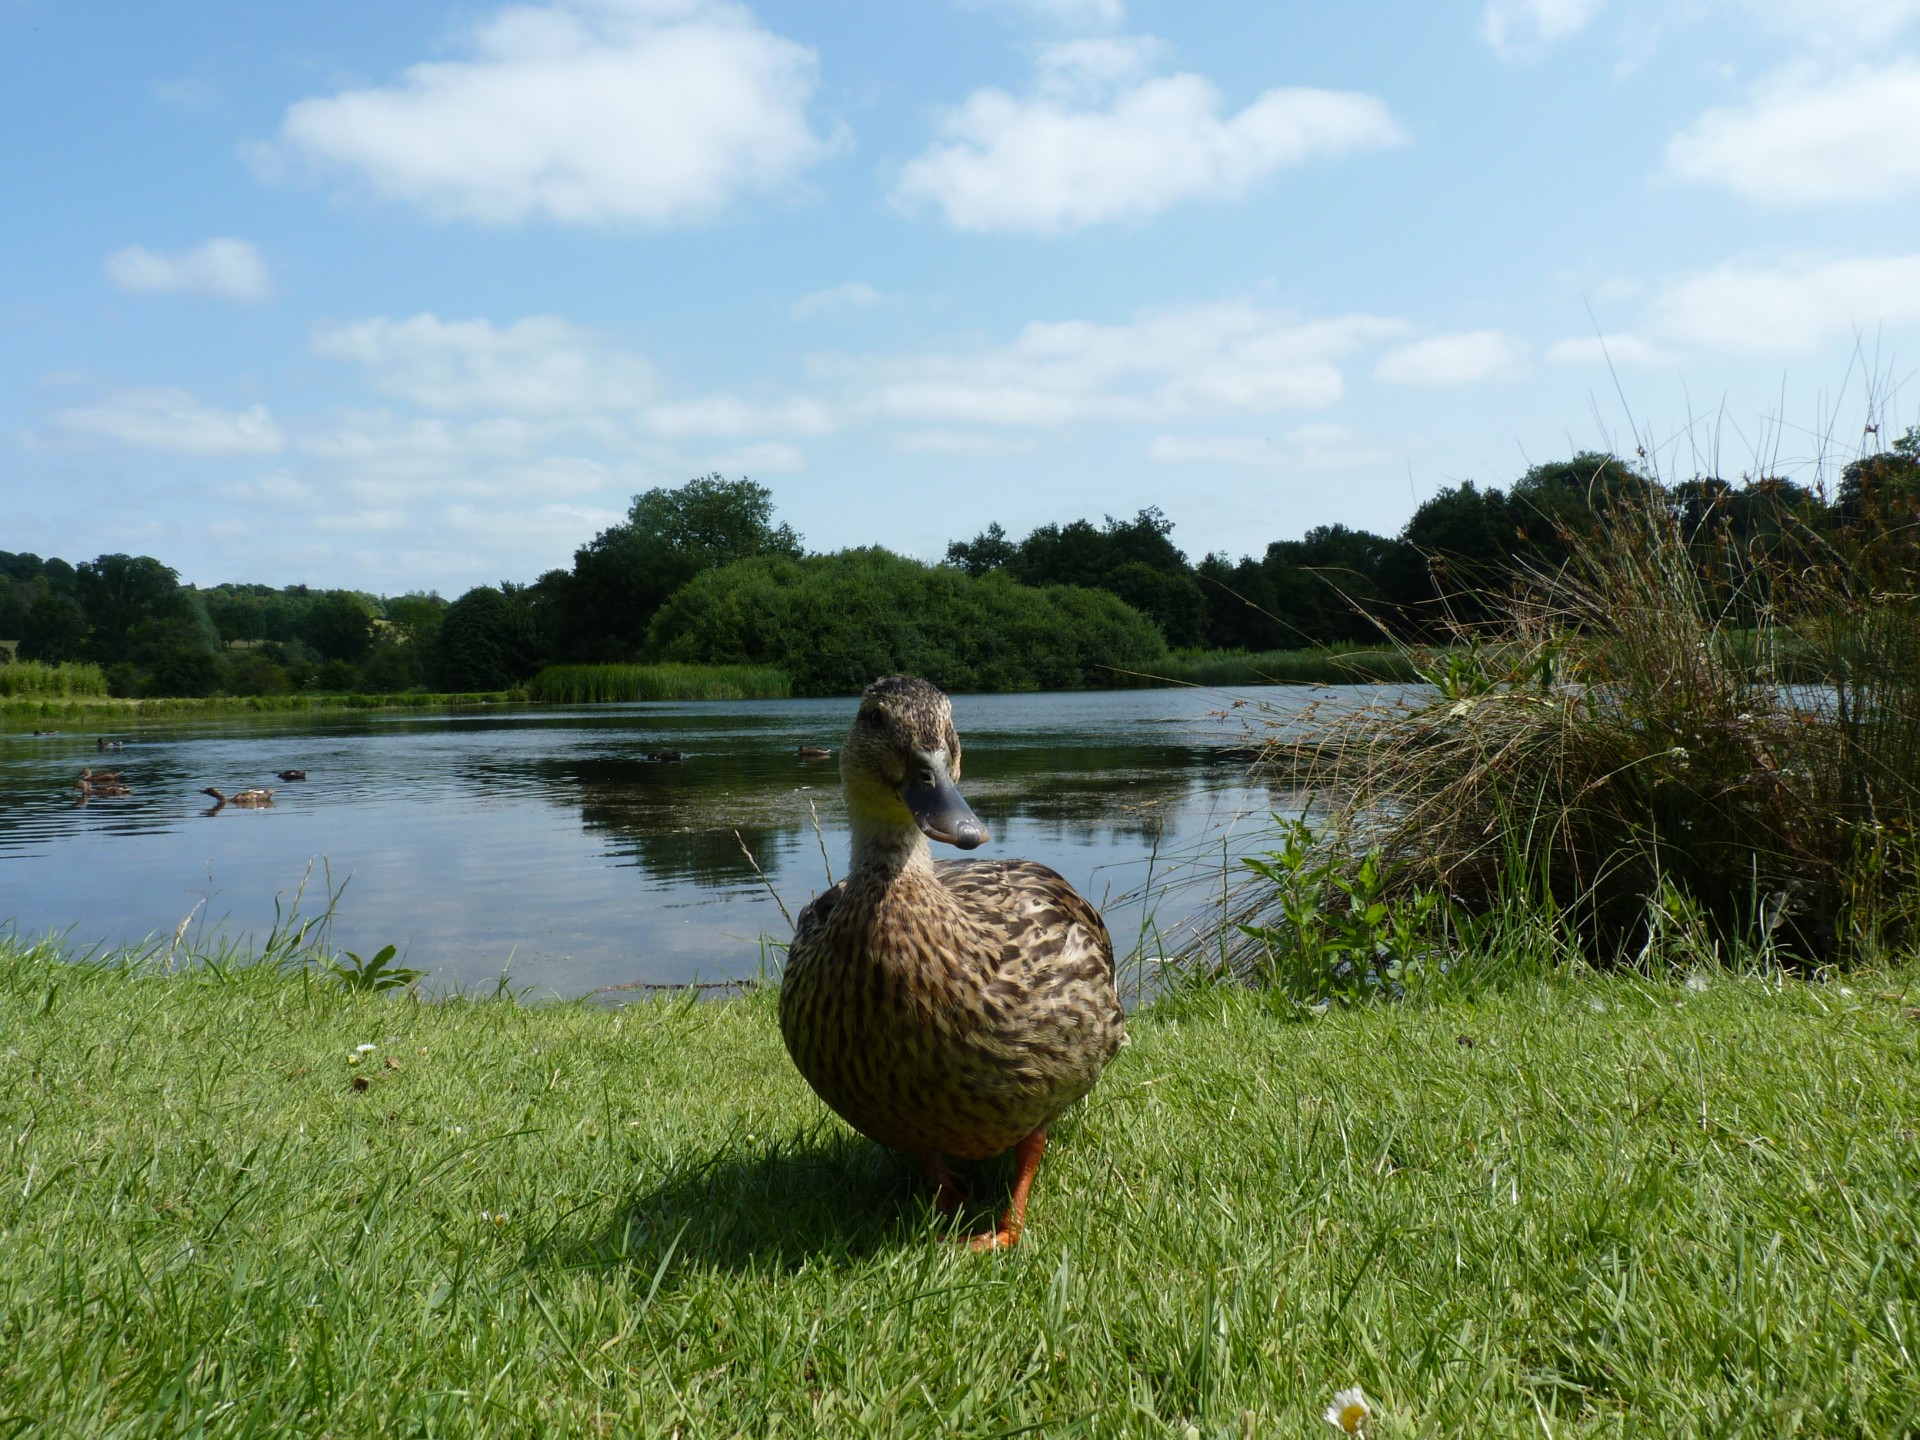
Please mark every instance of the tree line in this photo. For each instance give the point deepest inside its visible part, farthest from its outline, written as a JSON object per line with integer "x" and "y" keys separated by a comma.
{"x": 706, "y": 573}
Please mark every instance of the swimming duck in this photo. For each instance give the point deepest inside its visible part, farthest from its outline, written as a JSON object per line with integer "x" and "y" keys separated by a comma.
{"x": 812, "y": 752}
{"x": 250, "y": 799}
{"x": 105, "y": 744}
{"x": 666, "y": 757}
{"x": 950, "y": 1008}
{"x": 101, "y": 787}
{"x": 292, "y": 774}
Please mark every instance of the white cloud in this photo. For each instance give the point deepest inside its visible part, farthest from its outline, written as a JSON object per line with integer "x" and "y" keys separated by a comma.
{"x": 1088, "y": 69}
{"x": 1221, "y": 359}
{"x": 359, "y": 522}
{"x": 1067, "y": 14}
{"x": 730, "y": 415}
{"x": 1463, "y": 359}
{"x": 1095, "y": 144}
{"x": 1838, "y": 24}
{"x": 647, "y": 112}
{"x": 1784, "y": 308}
{"x": 221, "y": 268}
{"x": 959, "y": 442}
{"x": 1807, "y": 139}
{"x": 546, "y": 526}
{"x": 837, "y": 300}
{"x": 1518, "y": 29}
{"x": 1308, "y": 447}
{"x": 541, "y": 365}
{"x": 173, "y": 421}
{"x": 1609, "y": 349}
{"x": 766, "y": 458}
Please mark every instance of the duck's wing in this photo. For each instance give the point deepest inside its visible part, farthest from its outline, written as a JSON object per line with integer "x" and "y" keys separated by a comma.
{"x": 1031, "y": 909}
{"x": 808, "y": 928}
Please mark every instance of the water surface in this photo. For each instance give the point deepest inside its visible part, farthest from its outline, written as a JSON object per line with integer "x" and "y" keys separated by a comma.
{"x": 545, "y": 843}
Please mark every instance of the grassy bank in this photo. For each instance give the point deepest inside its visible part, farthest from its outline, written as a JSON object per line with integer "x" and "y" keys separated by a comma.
{"x": 106, "y": 710}
{"x": 1586, "y": 1206}
{"x": 594, "y": 684}
{"x": 1322, "y": 665}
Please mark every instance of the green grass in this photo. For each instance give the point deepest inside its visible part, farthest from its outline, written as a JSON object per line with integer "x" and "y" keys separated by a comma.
{"x": 32, "y": 680}
{"x": 1583, "y": 1206}
{"x": 1322, "y": 665}
{"x": 594, "y": 684}
{"x": 108, "y": 709}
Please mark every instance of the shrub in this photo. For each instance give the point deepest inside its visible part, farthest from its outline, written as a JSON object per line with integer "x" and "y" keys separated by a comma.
{"x": 834, "y": 622}
{"x": 1616, "y": 758}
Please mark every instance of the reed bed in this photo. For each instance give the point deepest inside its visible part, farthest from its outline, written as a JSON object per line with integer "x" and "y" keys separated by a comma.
{"x": 599, "y": 684}
{"x": 30, "y": 679}
{"x": 1634, "y": 756}
{"x": 108, "y": 709}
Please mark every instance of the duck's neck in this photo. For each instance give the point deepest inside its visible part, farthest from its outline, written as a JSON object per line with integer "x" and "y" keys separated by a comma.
{"x": 884, "y": 852}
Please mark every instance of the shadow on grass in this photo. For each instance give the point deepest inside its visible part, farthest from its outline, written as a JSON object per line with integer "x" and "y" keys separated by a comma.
{"x": 819, "y": 1197}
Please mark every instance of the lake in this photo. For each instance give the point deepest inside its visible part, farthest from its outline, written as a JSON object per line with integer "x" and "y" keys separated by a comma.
{"x": 543, "y": 843}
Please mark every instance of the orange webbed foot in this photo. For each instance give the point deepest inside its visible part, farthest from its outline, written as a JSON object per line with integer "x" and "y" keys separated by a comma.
{"x": 1027, "y": 1160}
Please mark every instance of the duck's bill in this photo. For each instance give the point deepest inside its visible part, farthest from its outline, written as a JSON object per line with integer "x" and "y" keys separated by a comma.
{"x": 943, "y": 814}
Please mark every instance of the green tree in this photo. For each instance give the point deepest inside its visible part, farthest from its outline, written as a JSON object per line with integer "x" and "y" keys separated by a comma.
{"x": 53, "y": 629}
{"x": 987, "y": 551}
{"x": 627, "y": 571}
{"x": 416, "y": 617}
{"x": 118, "y": 593}
{"x": 485, "y": 642}
{"x": 338, "y": 626}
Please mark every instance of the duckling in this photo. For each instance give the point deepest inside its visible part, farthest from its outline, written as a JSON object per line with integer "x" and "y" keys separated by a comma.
{"x": 812, "y": 752}
{"x": 952, "y": 1008}
{"x": 248, "y": 799}
{"x": 292, "y": 774}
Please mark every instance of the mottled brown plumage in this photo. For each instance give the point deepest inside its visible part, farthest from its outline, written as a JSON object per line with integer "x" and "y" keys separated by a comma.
{"x": 950, "y": 1008}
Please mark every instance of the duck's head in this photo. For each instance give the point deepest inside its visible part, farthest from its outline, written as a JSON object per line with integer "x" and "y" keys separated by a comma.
{"x": 900, "y": 763}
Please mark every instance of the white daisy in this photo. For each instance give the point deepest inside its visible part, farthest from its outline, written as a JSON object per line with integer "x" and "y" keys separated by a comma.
{"x": 1349, "y": 1411}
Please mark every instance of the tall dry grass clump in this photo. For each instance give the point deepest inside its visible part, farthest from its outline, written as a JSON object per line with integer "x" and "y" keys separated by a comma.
{"x": 1655, "y": 735}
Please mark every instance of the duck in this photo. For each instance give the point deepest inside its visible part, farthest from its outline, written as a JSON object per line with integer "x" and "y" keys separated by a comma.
{"x": 812, "y": 752}
{"x": 101, "y": 787}
{"x": 291, "y": 774}
{"x": 102, "y": 743}
{"x": 96, "y": 777}
{"x": 947, "y": 1008}
{"x": 249, "y": 799}
{"x": 666, "y": 757}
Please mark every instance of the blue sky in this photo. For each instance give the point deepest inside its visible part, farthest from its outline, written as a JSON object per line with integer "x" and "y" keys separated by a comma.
{"x": 418, "y": 296}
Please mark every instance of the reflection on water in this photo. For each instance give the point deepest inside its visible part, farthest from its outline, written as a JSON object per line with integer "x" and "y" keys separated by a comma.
{"x": 547, "y": 843}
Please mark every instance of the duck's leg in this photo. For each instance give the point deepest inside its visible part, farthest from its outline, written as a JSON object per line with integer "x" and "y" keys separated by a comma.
{"x": 1027, "y": 1158}
{"x": 947, "y": 1194}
